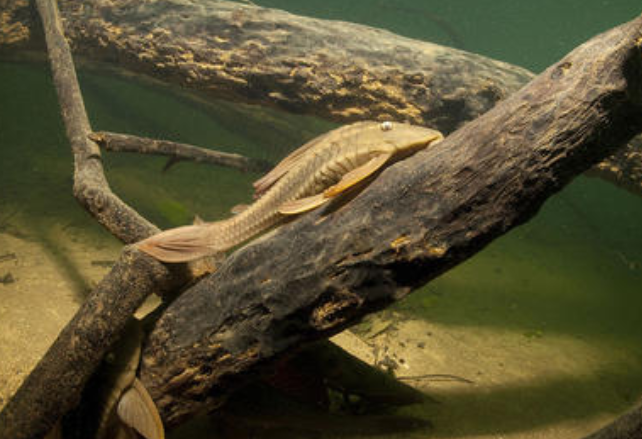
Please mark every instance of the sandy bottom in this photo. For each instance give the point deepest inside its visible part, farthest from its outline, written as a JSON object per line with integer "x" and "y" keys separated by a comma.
{"x": 493, "y": 364}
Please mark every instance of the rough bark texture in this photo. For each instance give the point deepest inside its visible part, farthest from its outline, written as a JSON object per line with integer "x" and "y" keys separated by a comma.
{"x": 177, "y": 151}
{"x": 90, "y": 186}
{"x": 418, "y": 219}
{"x": 337, "y": 70}
{"x": 624, "y": 168}
{"x": 17, "y": 24}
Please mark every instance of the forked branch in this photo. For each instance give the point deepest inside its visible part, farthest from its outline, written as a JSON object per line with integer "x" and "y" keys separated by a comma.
{"x": 55, "y": 385}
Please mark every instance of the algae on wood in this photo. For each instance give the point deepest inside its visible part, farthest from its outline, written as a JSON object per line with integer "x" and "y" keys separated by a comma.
{"x": 336, "y": 70}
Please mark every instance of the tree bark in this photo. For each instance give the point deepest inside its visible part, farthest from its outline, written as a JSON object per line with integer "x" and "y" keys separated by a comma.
{"x": 336, "y": 70}
{"x": 315, "y": 276}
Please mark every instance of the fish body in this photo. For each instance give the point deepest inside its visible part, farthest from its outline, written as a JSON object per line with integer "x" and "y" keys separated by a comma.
{"x": 309, "y": 177}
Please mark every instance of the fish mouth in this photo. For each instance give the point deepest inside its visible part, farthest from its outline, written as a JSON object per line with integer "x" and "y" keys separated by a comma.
{"x": 418, "y": 146}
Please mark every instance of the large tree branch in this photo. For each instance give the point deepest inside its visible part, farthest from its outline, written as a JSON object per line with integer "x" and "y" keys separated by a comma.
{"x": 337, "y": 70}
{"x": 317, "y": 275}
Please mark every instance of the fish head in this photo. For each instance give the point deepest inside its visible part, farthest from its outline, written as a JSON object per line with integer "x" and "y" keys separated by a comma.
{"x": 406, "y": 139}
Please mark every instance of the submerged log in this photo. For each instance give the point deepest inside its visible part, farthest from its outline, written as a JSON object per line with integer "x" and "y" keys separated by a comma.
{"x": 337, "y": 70}
{"x": 452, "y": 200}
{"x": 315, "y": 276}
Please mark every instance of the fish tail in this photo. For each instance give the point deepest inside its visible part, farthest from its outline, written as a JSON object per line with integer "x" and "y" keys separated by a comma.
{"x": 183, "y": 244}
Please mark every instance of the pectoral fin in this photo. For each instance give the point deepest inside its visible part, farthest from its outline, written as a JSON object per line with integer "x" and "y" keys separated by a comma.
{"x": 351, "y": 178}
{"x": 301, "y": 205}
{"x": 356, "y": 175}
{"x": 137, "y": 409}
{"x": 264, "y": 183}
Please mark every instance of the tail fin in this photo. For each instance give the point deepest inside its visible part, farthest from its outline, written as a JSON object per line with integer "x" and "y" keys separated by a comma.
{"x": 181, "y": 244}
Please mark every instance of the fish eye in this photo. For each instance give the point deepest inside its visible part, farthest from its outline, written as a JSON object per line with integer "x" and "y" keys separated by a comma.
{"x": 386, "y": 126}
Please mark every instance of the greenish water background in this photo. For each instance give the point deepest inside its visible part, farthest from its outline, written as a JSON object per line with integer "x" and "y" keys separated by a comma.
{"x": 574, "y": 271}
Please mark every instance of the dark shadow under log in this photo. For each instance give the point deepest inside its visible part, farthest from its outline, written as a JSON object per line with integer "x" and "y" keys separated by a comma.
{"x": 317, "y": 275}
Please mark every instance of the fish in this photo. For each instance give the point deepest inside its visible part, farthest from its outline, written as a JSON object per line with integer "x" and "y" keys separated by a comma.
{"x": 115, "y": 403}
{"x": 309, "y": 177}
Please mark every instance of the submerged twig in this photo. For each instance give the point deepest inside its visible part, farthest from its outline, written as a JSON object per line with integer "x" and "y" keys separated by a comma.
{"x": 55, "y": 385}
{"x": 176, "y": 151}
{"x": 90, "y": 186}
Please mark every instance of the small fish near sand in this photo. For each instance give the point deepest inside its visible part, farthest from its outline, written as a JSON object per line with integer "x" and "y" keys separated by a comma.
{"x": 309, "y": 177}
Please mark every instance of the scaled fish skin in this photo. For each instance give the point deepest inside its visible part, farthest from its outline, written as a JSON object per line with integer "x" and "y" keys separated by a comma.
{"x": 307, "y": 178}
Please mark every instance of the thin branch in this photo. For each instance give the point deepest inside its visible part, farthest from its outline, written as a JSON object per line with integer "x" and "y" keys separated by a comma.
{"x": 176, "y": 151}
{"x": 55, "y": 384}
{"x": 335, "y": 266}
{"x": 90, "y": 186}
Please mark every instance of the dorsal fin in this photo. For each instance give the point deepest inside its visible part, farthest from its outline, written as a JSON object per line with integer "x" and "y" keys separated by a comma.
{"x": 267, "y": 181}
{"x": 291, "y": 160}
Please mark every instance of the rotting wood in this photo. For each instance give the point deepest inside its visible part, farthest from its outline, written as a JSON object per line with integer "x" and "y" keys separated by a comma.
{"x": 56, "y": 383}
{"x": 623, "y": 168}
{"x": 337, "y": 70}
{"x": 176, "y": 151}
{"x": 317, "y": 275}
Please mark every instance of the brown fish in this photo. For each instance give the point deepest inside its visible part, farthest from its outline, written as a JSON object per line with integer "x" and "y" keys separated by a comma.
{"x": 306, "y": 179}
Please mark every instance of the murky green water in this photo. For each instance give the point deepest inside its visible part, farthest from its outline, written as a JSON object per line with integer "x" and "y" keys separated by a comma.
{"x": 571, "y": 275}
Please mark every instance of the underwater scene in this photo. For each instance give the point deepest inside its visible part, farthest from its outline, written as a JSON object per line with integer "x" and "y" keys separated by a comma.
{"x": 539, "y": 335}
